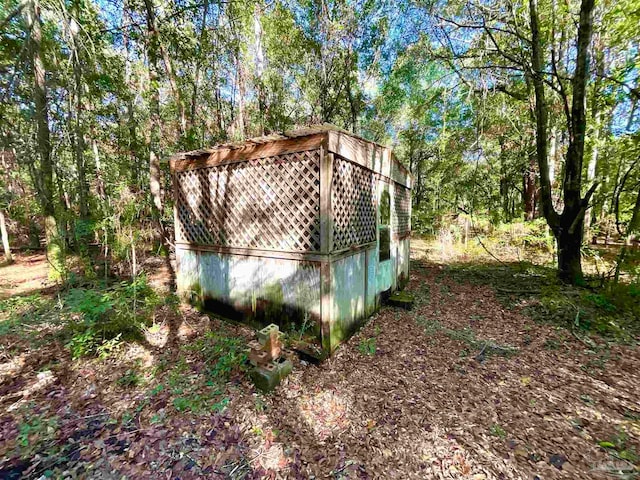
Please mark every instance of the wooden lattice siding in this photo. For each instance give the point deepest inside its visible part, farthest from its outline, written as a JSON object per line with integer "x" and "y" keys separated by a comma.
{"x": 268, "y": 203}
{"x": 402, "y": 208}
{"x": 352, "y": 204}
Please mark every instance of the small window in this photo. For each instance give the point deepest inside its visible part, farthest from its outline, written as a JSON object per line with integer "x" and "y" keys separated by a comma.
{"x": 385, "y": 227}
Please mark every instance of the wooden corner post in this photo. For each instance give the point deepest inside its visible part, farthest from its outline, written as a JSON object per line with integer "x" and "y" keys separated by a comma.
{"x": 326, "y": 245}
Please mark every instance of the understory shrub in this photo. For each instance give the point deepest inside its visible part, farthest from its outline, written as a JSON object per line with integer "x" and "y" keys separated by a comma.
{"x": 101, "y": 318}
{"x": 611, "y": 310}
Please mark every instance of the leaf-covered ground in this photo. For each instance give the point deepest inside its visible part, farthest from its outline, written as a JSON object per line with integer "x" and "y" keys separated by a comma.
{"x": 463, "y": 386}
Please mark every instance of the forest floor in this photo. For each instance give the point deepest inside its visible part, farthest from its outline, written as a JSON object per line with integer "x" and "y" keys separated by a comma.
{"x": 469, "y": 384}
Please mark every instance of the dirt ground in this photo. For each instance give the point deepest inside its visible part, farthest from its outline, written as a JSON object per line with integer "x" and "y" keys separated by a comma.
{"x": 27, "y": 274}
{"x": 458, "y": 387}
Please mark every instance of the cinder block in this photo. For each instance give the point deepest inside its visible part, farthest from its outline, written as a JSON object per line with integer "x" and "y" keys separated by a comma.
{"x": 273, "y": 345}
{"x": 266, "y": 378}
{"x": 284, "y": 367}
{"x": 266, "y": 332}
{"x": 401, "y": 299}
{"x": 258, "y": 357}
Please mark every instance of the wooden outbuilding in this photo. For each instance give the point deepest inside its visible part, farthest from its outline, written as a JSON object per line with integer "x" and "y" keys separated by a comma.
{"x": 310, "y": 228}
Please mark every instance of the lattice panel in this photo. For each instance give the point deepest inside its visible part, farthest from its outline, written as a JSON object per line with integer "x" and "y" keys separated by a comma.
{"x": 353, "y": 205}
{"x": 270, "y": 203}
{"x": 401, "y": 210}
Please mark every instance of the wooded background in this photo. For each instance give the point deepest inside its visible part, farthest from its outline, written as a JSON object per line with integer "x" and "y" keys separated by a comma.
{"x": 503, "y": 111}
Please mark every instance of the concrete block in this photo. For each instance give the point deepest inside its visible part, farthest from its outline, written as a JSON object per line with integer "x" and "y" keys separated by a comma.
{"x": 258, "y": 357}
{"x": 273, "y": 345}
{"x": 401, "y": 299}
{"x": 266, "y": 377}
{"x": 284, "y": 367}
{"x": 266, "y": 332}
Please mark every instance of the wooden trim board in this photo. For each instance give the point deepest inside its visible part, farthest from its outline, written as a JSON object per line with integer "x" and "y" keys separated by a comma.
{"x": 248, "y": 151}
{"x": 370, "y": 155}
{"x": 254, "y": 252}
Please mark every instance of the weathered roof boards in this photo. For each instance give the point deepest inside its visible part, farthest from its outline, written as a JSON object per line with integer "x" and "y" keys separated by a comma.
{"x": 309, "y": 228}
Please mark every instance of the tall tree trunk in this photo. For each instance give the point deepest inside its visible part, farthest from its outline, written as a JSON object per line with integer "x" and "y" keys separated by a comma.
{"x": 352, "y": 105}
{"x": 530, "y": 190}
{"x": 241, "y": 120}
{"x": 259, "y": 64}
{"x": 154, "y": 134}
{"x": 100, "y": 188}
{"x": 196, "y": 78}
{"x": 83, "y": 187}
{"x": 134, "y": 146}
{"x": 570, "y": 232}
{"x": 45, "y": 178}
{"x": 155, "y": 174}
{"x": 5, "y": 238}
{"x": 567, "y": 227}
{"x": 596, "y": 116}
{"x": 173, "y": 82}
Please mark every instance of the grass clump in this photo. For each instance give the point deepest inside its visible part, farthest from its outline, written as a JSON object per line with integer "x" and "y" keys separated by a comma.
{"x": 367, "y": 346}
{"x": 21, "y": 315}
{"x": 35, "y": 432}
{"x": 497, "y": 431}
{"x": 609, "y": 309}
{"x": 129, "y": 379}
{"x": 198, "y": 380}
{"x": 619, "y": 446}
{"x": 90, "y": 320}
{"x": 612, "y": 311}
{"x": 101, "y": 318}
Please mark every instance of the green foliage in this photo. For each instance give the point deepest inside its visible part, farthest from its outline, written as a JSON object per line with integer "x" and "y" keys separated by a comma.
{"x": 130, "y": 378}
{"x": 621, "y": 447}
{"x": 20, "y": 314}
{"x": 611, "y": 310}
{"x": 94, "y": 319}
{"x": 102, "y": 318}
{"x": 223, "y": 355}
{"x": 198, "y": 379}
{"x": 497, "y": 431}
{"x": 92, "y": 304}
{"x": 199, "y": 403}
{"x": 36, "y": 430}
{"x": 367, "y": 346}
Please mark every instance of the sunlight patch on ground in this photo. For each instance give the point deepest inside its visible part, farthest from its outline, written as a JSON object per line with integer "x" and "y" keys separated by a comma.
{"x": 12, "y": 367}
{"x": 137, "y": 354}
{"x": 28, "y": 273}
{"x": 159, "y": 334}
{"x": 266, "y": 451}
{"x": 42, "y": 381}
{"x": 325, "y": 412}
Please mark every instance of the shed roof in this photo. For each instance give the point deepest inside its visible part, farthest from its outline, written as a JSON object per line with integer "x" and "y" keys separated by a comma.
{"x": 293, "y": 140}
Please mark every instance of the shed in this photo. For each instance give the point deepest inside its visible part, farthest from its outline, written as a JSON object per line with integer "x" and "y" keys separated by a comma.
{"x": 309, "y": 228}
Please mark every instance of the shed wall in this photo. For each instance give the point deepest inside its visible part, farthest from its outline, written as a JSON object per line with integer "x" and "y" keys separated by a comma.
{"x": 272, "y": 290}
{"x": 266, "y": 203}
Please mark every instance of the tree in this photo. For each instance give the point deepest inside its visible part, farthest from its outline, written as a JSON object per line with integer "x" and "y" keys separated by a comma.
{"x": 508, "y": 65}
{"x": 44, "y": 183}
{"x": 567, "y": 226}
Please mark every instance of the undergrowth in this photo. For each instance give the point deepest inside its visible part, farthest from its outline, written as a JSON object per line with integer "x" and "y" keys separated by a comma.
{"x": 90, "y": 319}
{"x": 611, "y": 310}
{"x": 197, "y": 381}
